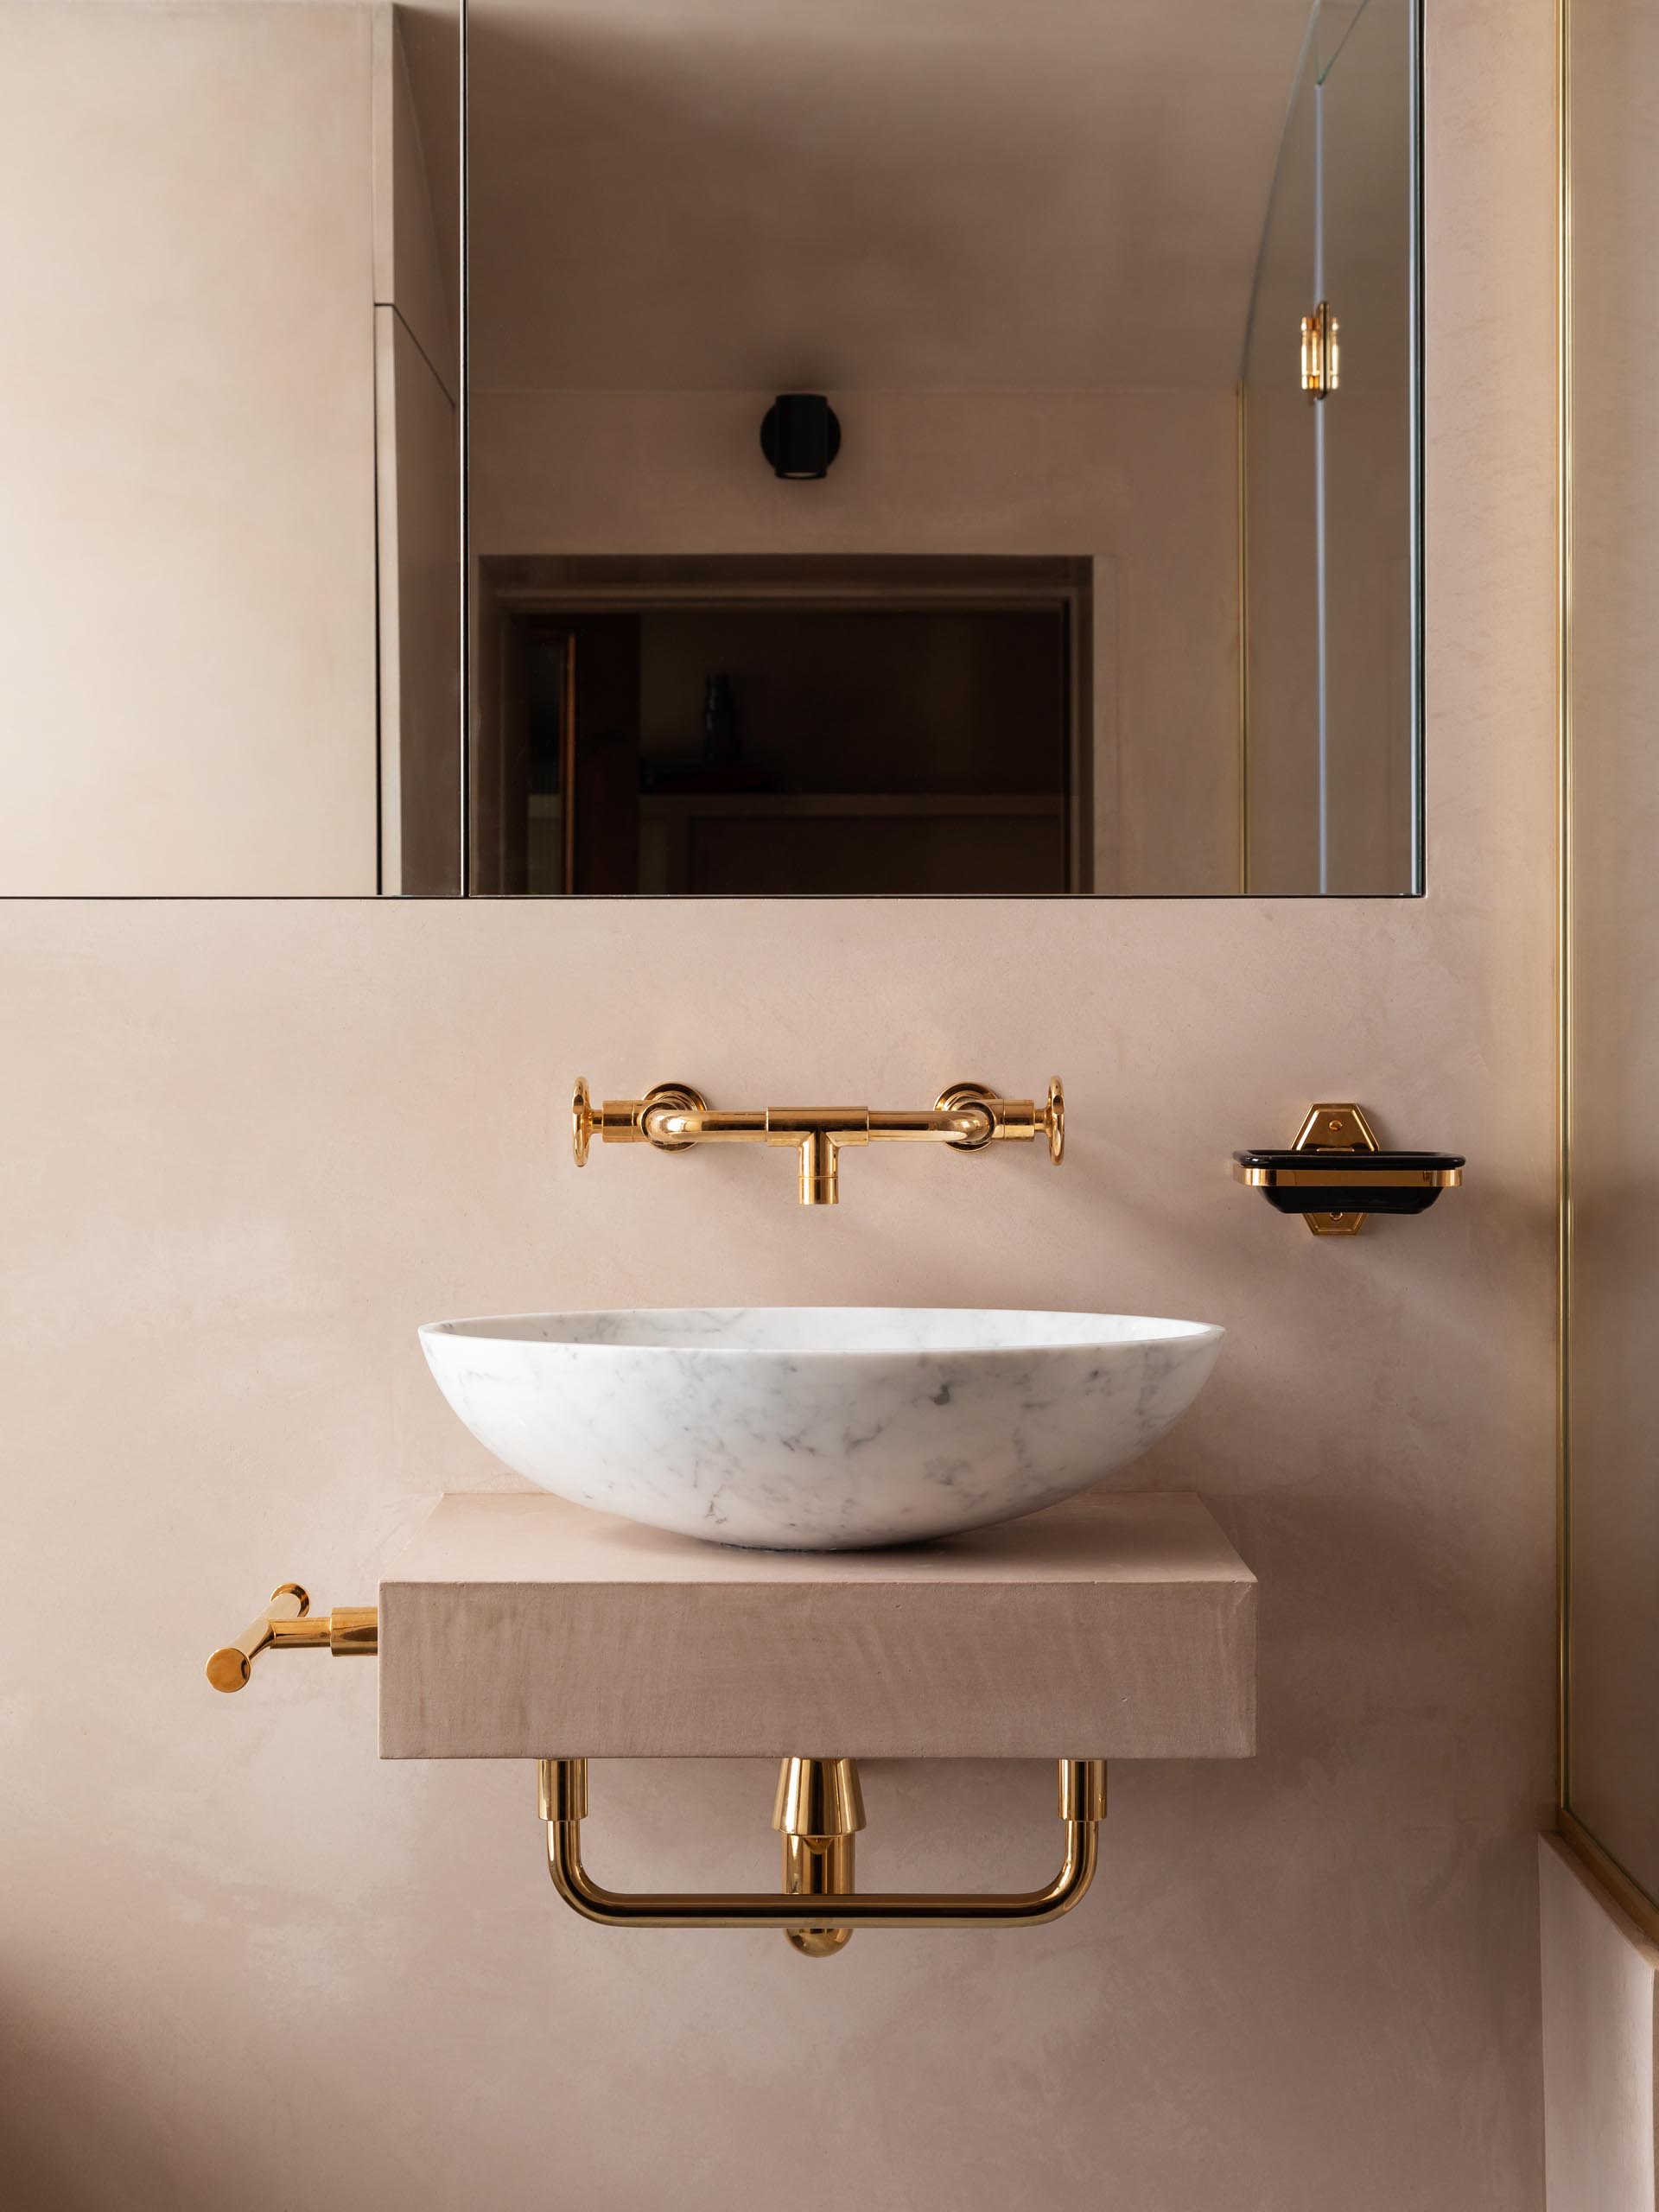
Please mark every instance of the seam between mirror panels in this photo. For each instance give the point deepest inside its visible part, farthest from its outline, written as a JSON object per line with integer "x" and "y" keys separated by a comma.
{"x": 463, "y": 433}
{"x": 1416, "y": 418}
{"x": 1564, "y": 941}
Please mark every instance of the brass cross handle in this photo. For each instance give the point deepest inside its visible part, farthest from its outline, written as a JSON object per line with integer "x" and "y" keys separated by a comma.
{"x": 289, "y": 1625}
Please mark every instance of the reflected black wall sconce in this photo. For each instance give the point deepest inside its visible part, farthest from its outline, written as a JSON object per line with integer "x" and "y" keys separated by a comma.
{"x": 800, "y": 435}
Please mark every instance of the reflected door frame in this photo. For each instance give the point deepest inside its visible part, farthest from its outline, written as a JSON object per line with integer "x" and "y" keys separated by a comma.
{"x": 513, "y": 595}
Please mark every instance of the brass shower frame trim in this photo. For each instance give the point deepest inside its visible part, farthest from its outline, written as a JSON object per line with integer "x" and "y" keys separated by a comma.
{"x": 1567, "y": 1822}
{"x": 1623, "y": 1886}
{"x": 673, "y": 1117}
{"x": 819, "y": 1810}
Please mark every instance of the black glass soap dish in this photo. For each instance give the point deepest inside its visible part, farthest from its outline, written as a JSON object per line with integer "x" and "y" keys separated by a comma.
{"x": 1336, "y": 1174}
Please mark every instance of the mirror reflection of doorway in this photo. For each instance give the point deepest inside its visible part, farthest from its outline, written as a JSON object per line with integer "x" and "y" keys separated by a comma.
{"x": 803, "y": 726}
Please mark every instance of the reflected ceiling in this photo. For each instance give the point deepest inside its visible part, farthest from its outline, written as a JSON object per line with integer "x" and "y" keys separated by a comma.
{"x": 934, "y": 194}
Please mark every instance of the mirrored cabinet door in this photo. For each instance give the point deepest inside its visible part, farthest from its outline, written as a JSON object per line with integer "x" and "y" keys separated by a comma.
{"x": 884, "y": 482}
{"x": 598, "y": 447}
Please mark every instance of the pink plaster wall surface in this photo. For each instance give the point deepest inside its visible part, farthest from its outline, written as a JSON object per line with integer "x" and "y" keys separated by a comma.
{"x": 1599, "y": 1984}
{"x": 248, "y": 1147}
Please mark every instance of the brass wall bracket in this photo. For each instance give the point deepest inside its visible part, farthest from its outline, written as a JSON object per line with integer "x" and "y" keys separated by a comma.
{"x": 673, "y": 1117}
{"x": 289, "y": 1625}
{"x": 1336, "y": 1174}
{"x": 818, "y": 1812}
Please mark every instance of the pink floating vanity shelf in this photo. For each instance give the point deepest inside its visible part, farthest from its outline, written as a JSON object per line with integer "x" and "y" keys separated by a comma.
{"x": 1112, "y": 1626}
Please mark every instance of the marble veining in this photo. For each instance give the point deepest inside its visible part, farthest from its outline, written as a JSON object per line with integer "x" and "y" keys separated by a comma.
{"x": 819, "y": 1428}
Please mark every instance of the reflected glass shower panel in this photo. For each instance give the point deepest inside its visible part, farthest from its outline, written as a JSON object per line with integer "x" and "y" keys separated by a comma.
{"x": 1331, "y": 675}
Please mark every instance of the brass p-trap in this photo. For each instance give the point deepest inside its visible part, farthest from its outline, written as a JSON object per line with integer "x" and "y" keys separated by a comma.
{"x": 819, "y": 1811}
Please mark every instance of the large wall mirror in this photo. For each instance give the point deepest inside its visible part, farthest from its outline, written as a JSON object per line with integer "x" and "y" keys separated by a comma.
{"x": 597, "y": 446}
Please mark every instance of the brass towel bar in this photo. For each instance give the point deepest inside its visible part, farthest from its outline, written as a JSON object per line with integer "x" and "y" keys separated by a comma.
{"x": 819, "y": 1810}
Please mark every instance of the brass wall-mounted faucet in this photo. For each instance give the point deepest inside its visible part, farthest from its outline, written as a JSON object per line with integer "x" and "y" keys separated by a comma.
{"x": 673, "y": 1117}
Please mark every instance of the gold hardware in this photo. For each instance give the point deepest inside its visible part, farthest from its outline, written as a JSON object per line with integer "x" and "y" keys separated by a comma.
{"x": 673, "y": 1117}
{"x": 819, "y": 1810}
{"x": 1335, "y": 1128}
{"x": 966, "y": 1098}
{"x": 1321, "y": 354}
{"x": 289, "y": 1625}
{"x": 1340, "y": 1138}
{"x": 668, "y": 1098}
{"x": 561, "y": 1788}
{"x": 818, "y": 1797}
{"x": 1083, "y": 1790}
{"x": 1334, "y": 1175}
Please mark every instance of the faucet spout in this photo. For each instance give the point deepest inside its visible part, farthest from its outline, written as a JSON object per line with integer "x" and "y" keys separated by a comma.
{"x": 820, "y": 1169}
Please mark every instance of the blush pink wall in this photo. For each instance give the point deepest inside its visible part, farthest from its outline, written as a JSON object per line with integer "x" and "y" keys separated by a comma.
{"x": 1601, "y": 1977}
{"x": 249, "y": 1146}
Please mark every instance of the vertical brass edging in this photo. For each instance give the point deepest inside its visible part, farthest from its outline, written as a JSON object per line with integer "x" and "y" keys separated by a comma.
{"x": 1564, "y": 888}
{"x": 1244, "y": 645}
{"x": 1625, "y": 1890}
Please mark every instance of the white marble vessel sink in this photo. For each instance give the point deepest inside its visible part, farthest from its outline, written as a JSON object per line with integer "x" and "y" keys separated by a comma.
{"x": 819, "y": 1428}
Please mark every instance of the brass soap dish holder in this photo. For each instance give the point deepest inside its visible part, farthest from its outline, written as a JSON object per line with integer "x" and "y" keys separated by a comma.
{"x": 1336, "y": 1174}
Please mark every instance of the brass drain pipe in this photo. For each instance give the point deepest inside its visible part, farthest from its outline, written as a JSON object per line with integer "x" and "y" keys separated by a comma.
{"x": 818, "y": 1814}
{"x": 819, "y": 1811}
